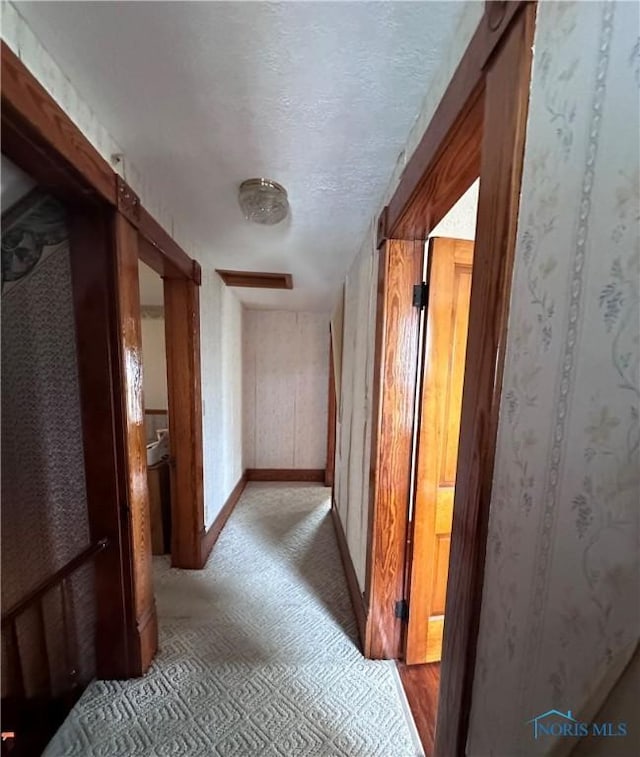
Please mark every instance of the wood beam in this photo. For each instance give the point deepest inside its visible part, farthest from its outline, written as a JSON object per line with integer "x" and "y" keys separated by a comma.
{"x": 175, "y": 261}
{"x": 182, "y": 336}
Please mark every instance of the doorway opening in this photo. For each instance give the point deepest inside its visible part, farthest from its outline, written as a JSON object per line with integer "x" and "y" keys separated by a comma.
{"x": 478, "y": 130}
{"x": 110, "y": 230}
{"x": 156, "y": 408}
{"x": 443, "y": 330}
{"x": 448, "y": 268}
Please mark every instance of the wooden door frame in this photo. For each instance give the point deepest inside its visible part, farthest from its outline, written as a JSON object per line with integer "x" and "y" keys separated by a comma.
{"x": 477, "y": 130}
{"x": 109, "y": 229}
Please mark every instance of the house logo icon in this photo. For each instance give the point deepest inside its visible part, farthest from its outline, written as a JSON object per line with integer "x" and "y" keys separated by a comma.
{"x": 553, "y": 722}
{"x": 557, "y": 723}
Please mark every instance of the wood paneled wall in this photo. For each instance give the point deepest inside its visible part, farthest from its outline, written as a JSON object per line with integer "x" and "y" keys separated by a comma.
{"x": 285, "y": 373}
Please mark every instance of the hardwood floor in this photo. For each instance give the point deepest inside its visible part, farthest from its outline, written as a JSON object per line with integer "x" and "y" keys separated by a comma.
{"x": 421, "y": 684}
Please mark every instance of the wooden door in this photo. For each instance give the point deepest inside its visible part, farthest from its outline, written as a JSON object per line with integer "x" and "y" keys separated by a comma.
{"x": 445, "y": 343}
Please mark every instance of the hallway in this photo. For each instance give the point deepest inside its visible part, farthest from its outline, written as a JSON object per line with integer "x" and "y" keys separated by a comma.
{"x": 258, "y": 652}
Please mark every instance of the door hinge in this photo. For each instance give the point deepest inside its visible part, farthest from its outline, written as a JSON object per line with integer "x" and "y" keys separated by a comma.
{"x": 420, "y": 293}
{"x": 402, "y": 610}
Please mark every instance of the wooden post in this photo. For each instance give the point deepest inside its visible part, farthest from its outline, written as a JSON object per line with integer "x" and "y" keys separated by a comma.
{"x": 107, "y": 332}
{"x": 182, "y": 330}
{"x": 127, "y": 291}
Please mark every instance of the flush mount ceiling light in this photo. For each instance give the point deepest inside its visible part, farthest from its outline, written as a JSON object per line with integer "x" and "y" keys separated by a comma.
{"x": 263, "y": 201}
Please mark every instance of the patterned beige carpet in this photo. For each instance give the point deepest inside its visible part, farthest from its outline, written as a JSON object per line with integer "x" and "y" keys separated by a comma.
{"x": 258, "y": 653}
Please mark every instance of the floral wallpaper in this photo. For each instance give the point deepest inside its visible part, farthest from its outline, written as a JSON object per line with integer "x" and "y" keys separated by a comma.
{"x": 560, "y": 615}
{"x": 44, "y": 508}
{"x": 353, "y": 428}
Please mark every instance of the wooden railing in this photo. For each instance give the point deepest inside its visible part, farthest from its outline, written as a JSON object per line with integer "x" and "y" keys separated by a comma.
{"x": 17, "y": 708}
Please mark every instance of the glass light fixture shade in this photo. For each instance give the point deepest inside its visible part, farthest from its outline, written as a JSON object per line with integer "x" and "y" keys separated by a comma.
{"x": 263, "y": 201}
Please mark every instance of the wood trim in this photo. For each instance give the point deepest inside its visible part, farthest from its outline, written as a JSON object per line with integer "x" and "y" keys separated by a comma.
{"x": 57, "y": 577}
{"x": 331, "y": 422}
{"x": 256, "y": 279}
{"x": 450, "y": 174}
{"x": 311, "y": 475}
{"x": 210, "y": 537}
{"x": 145, "y": 638}
{"x": 182, "y": 338}
{"x": 153, "y": 257}
{"x": 26, "y": 102}
{"x": 174, "y": 261}
{"x": 506, "y": 107}
{"x": 357, "y": 599}
{"x": 421, "y": 684}
{"x": 40, "y": 138}
{"x": 396, "y": 360}
{"x": 467, "y": 79}
{"x": 52, "y": 176}
{"x": 127, "y": 201}
{"x": 92, "y": 274}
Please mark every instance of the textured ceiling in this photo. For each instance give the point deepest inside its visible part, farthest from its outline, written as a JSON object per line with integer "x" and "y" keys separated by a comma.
{"x": 318, "y": 96}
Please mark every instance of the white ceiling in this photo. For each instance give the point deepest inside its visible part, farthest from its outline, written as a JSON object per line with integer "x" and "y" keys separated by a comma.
{"x": 318, "y": 96}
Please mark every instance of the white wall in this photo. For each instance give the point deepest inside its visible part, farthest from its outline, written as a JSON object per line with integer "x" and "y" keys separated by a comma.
{"x": 154, "y": 364}
{"x": 220, "y": 310}
{"x": 221, "y": 356}
{"x": 560, "y": 612}
{"x": 286, "y": 376}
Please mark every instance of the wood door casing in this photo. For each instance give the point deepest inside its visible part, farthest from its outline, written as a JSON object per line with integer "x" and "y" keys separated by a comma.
{"x": 395, "y": 361}
{"x": 445, "y": 343}
{"x": 144, "y": 633}
{"x": 182, "y": 339}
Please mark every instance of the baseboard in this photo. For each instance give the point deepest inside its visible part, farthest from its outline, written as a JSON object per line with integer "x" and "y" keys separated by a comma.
{"x": 350, "y": 574}
{"x": 146, "y": 641}
{"x": 211, "y": 535}
{"x": 315, "y": 475}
